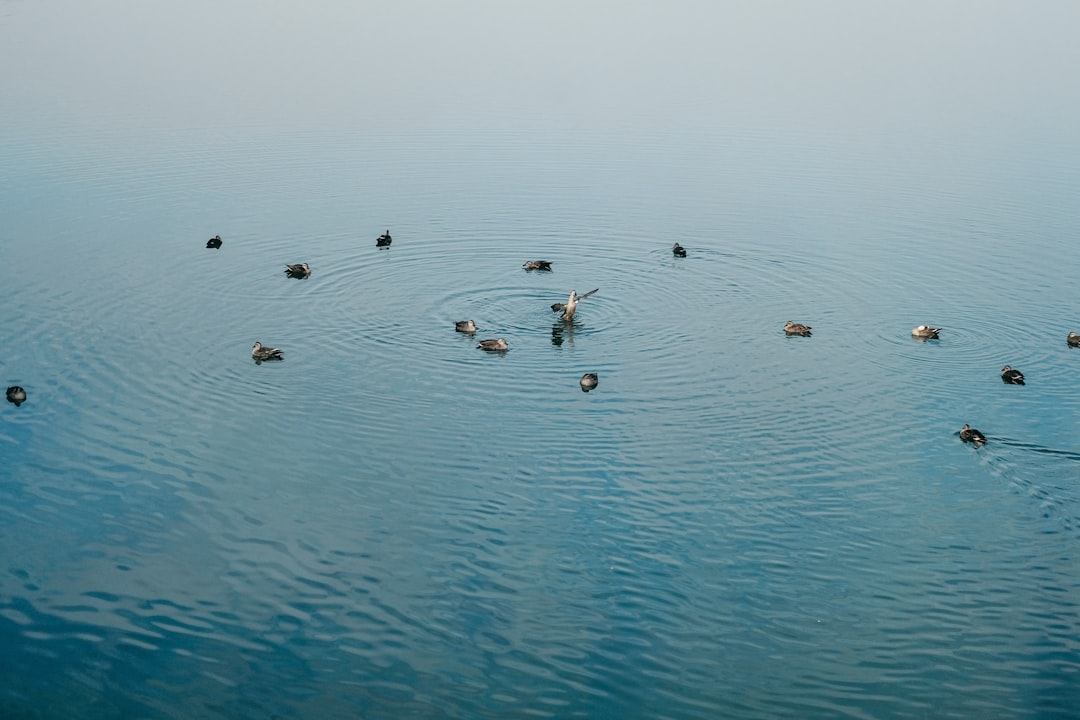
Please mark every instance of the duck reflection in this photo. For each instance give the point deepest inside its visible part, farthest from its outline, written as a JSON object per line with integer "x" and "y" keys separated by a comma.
{"x": 563, "y": 331}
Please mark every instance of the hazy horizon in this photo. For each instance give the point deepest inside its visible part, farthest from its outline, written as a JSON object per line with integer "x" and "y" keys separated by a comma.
{"x": 839, "y": 64}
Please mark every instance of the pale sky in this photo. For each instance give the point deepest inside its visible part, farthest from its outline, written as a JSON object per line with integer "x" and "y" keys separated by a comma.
{"x": 829, "y": 64}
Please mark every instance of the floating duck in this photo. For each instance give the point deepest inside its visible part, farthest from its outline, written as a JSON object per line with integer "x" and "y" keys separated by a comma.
{"x": 214, "y": 243}
{"x": 679, "y": 250}
{"x": 589, "y": 381}
{"x": 261, "y": 353}
{"x": 537, "y": 265}
{"x": 499, "y": 345}
{"x": 1073, "y": 339}
{"x": 300, "y": 271}
{"x": 570, "y": 306}
{"x": 971, "y": 435}
{"x": 16, "y": 394}
{"x": 384, "y": 239}
{"x": 465, "y": 326}
{"x": 1011, "y": 377}
{"x": 797, "y": 329}
{"x": 925, "y": 332}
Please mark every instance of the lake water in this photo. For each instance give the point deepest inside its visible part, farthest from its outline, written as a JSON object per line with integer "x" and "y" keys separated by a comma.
{"x": 391, "y": 523}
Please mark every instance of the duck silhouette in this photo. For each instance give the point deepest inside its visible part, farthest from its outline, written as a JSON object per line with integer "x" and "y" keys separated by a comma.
{"x": 16, "y": 394}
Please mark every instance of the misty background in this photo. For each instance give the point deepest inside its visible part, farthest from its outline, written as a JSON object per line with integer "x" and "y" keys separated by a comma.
{"x": 834, "y": 65}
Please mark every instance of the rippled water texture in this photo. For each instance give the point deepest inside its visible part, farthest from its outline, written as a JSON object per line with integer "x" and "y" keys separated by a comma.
{"x": 392, "y": 523}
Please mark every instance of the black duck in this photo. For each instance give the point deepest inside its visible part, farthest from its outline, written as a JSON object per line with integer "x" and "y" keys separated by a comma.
{"x": 16, "y": 394}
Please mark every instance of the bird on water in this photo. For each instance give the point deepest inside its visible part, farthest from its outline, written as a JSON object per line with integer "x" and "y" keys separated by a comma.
{"x": 792, "y": 328}
{"x": 214, "y": 243}
{"x": 299, "y": 271}
{"x": 589, "y": 381}
{"x": 498, "y": 345}
{"x": 570, "y": 306}
{"x": 925, "y": 332}
{"x": 384, "y": 240}
{"x": 465, "y": 326}
{"x": 16, "y": 394}
{"x": 971, "y": 435}
{"x": 259, "y": 352}
{"x": 678, "y": 250}
{"x": 1011, "y": 377}
{"x": 537, "y": 265}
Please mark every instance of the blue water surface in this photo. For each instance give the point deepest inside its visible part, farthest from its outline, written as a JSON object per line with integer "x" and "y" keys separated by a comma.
{"x": 391, "y": 523}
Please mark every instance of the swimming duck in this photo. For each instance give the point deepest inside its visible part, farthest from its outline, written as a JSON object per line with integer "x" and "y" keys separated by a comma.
{"x": 300, "y": 271}
{"x": 1011, "y": 377}
{"x": 797, "y": 329}
{"x": 570, "y": 306}
{"x": 925, "y": 332}
{"x": 499, "y": 345}
{"x": 589, "y": 381}
{"x": 537, "y": 265}
{"x": 16, "y": 394}
{"x": 261, "y": 353}
{"x": 679, "y": 250}
{"x": 384, "y": 239}
{"x": 214, "y": 243}
{"x": 971, "y": 435}
{"x": 1073, "y": 339}
{"x": 465, "y": 326}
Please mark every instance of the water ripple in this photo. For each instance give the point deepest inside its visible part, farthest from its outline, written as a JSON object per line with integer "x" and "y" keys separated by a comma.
{"x": 391, "y": 521}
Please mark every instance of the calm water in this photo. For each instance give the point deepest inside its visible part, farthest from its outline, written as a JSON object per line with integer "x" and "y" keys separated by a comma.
{"x": 391, "y": 523}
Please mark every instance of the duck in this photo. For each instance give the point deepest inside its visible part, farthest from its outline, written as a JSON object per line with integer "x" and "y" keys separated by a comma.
{"x": 1073, "y": 339}
{"x": 260, "y": 353}
{"x": 679, "y": 250}
{"x": 537, "y": 265}
{"x": 925, "y": 332}
{"x": 465, "y": 326}
{"x": 797, "y": 329}
{"x": 498, "y": 345}
{"x": 570, "y": 306}
{"x": 589, "y": 381}
{"x": 971, "y": 435}
{"x": 1011, "y": 377}
{"x": 300, "y": 271}
{"x": 214, "y": 243}
{"x": 16, "y": 394}
{"x": 384, "y": 239}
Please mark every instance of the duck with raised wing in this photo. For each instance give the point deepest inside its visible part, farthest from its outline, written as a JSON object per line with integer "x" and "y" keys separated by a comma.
{"x": 678, "y": 250}
{"x": 16, "y": 394}
{"x": 589, "y": 381}
{"x": 792, "y": 328}
{"x": 300, "y": 271}
{"x": 570, "y": 306}
{"x": 465, "y": 326}
{"x": 260, "y": 353}
{"x": 925, "y": 332}
{"x": 971, "y": 435}
{"x": 384, "y": 240}
{"x": 1011, "y": 377}
{"x": 214, "y": 243}
{"x": 537, "y": 265}
{"x": 498, "y": 345}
